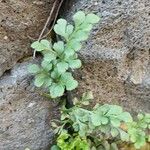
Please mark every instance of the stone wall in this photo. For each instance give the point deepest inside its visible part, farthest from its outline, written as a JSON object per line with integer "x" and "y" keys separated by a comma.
{"x": 116, "y": 58}
{"x": 25, "y": 116}
{"x": 116, "y": 64}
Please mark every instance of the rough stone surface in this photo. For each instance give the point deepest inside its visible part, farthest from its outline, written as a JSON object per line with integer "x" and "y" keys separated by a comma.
{"x": 116, "y": 57}
{"x": 20, "y": 20}
{"x": 25, "y": 116}
{"x": 116, "y": 65}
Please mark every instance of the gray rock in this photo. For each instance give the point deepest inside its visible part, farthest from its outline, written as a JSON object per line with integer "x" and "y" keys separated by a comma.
{"x": 19, "y": 21}
{"x": 116, "y": 57}
{"x": 25, "y": 116}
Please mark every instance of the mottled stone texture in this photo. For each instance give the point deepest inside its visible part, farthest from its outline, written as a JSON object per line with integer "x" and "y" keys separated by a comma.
{"x": 19, "y": 21}
{"x": 116, "y": 57}
{"x": 25, "y": 116}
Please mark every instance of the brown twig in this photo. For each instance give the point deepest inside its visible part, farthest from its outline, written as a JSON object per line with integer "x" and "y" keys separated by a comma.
{"x": 48, "y": 19}
{"x": 54, "y": 20}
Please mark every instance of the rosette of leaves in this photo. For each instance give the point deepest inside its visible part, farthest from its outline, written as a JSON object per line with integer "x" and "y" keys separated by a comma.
{"x": 61, "y": 56}
{"x": 138, "y": 130}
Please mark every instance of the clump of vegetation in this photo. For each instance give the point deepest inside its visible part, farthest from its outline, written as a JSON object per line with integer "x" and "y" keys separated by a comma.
{"x": 102, "y": 127}
{"x": 137, "y": 130}
{"x": 58, "y": 58}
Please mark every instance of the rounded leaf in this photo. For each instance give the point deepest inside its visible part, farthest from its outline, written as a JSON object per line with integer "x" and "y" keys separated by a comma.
{"x": 56, "y": 90}
{"x": 75, "y": 63}
{"x": 46, "y": 65}
{"x": 124, "y": 136}
{"x": 59, "y": 47}
{"x": 55, "y": 147}
{"x": 60, "y": 27}
{"x": 62, "y": 67}
{"x": 48, "y": 82}
{"x": 39, "y": 80}
{"x": 71, "y": 84}
{"x": 49, "y": 56}
{"x": 46, "y": 43}
{"x": 115, "y": 122}
{"x": 95, "y": 119}
{"x": 79, "y": 17}
{"x": 92, "y": 18}
{"x": 75, "y": 45}
{"x": 33, "y": 68}
{"x": 66, "y": 76}
{"x": 69, "y": 29}
{"x": 81, "y": 36}
{"x": 37, "y": 46}
{"x": 114, "y": 132}
{"x": 69, "y": 52}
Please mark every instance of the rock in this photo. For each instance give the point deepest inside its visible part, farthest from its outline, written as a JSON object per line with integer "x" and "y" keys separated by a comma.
{"x": 20, "y": 20}
{"x": 116, "y": 57}
{"x": 25, "y": 116}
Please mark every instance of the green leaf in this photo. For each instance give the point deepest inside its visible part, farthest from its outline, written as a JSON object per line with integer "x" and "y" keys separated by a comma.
{"x": 46, "y": 43}
{"x": 46, "y": 65}
{"x": 49, "y": 57}
{"x": 59, "y": 47}
{"x": 86, "y": 27}
{"x": 85, "y": 103}
{"x": 75, "y": 45}
{"x": 55, "y": 147}
{"x": 33, "y": 68}
{"x": 75, "y": 63}
{"x": 124, "y": 136}
{"x": 148, "y": 138}
{"x": 79, "y": 17}
{"x": 140, "y": 116}
{"x": 55, "y": 74}
{"x": 66, "y": 76}
{"x": 69, "y": 29}
{"x": 114, "y": 110}
{"x": 54, "y": 125}
{"x": 37, "y": 46}
{"x": 48, "y": 82}
{"x": 104, "y": 120}
{"x": 42, "y": 45}
{"x": 140, "y": 142}
{"x": 81, "y": 36}
{"x": 105, "y": 129}
{"x": 75, "y": 101}
{"x": 92, "y": 18}
{"x": 114, "y": 132}
{"x": 68, "y": 80}
{"x": 115, "y": 122}
{"x": 60, "y": 27}
{"x": 71, "y": 84}
{"x": 87, "y": 96}
{"x": 69, "y": 52}
{"x": 39, "y": 80}
{"x": 95, "y": 119}
{"x": 125, "y": 116}
{"x": 62, "y": 67}
{"x": 56, "y": 90}
{"x": 114, "y": 146}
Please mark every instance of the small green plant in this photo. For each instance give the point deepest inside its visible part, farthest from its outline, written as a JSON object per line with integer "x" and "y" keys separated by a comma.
{"x": 137, "y": 130}
{"x": 100, "y": 128}
{"x": 58, "y": 58}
